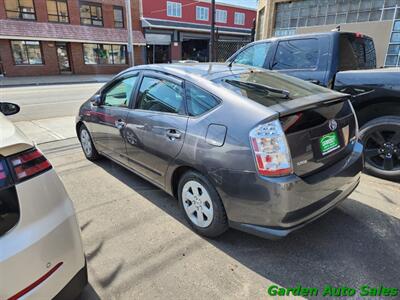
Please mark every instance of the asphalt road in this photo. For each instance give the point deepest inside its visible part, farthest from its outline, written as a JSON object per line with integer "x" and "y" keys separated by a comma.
{"x": 138, "y": 245}
{"x": 43, "y": 102}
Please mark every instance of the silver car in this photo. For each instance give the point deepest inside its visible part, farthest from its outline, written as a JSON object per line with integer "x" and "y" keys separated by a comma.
{"x": 41, "y": 255}
{"x": 238, "y": 146}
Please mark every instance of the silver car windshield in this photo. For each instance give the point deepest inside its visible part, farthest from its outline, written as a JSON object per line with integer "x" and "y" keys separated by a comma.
{"x": 269, "y": 88}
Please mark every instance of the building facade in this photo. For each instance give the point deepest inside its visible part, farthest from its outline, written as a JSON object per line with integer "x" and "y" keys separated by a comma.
{"x": 50, "y": 37}
{"x": 379, "y": 19}
{"x": 180, "y": 29}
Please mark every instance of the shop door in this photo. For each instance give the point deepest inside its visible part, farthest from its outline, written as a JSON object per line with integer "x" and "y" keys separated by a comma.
{"x": 63, "y": 58}
{"x": 158, "y": 54}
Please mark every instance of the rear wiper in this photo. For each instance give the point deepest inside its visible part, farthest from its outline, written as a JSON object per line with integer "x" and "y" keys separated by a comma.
{"x": 258, "y": 86}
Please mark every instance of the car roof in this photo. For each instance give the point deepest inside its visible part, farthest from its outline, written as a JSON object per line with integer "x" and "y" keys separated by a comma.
{"x": 12, "y": 140}
{"x": 205, "y": 70}
{"x": 308, "y": 35}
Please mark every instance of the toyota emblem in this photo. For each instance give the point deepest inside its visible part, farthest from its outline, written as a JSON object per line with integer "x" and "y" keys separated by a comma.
{"x": 332, "y": 125}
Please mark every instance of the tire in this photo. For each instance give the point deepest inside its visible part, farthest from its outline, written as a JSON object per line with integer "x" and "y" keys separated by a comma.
{"x": 87, "y": 144}
{"x": 381, "y": 139}
{"x": 204, "y": 199}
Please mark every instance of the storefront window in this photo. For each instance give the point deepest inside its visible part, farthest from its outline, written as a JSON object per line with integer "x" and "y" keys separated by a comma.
{"x": 104, "y": 54}
{"x": 91, "y": 14}
{"x": 20, "y": 9}
{"x": 118, "y": 17}
{"x": 26, "y": 52}
{"x": 57, "y": 11}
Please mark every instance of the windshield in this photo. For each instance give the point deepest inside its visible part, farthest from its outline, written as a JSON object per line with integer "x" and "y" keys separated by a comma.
{"x": 269, "y": 88}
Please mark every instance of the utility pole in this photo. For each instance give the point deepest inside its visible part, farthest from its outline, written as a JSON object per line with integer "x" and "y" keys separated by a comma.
{"x": 130, "y": 38}
{"x": 212, "y": 37}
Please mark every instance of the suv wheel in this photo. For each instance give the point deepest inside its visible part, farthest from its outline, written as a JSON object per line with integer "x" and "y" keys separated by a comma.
{"x": 87, "y": 144}
{"x": 381, "y": 138}
{"x": 201, "y": 205}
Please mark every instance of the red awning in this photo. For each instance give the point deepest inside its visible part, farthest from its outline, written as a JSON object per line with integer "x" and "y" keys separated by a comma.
{"x": 12, "y": 29}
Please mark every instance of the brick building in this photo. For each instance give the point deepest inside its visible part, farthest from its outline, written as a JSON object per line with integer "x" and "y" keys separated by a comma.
{"x": 180, "y": 29}
{"x": 49, "y": 37}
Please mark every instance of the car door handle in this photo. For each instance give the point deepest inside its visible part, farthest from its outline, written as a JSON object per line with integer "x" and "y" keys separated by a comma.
{"x": 173, "y": 134}
{"x": 120, "y": 124}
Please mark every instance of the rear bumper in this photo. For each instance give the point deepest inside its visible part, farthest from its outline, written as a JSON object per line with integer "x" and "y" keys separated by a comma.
{"x": 274, "y": 207}
{"x": 75, "y": 287}
{"x": 47, "y": 235}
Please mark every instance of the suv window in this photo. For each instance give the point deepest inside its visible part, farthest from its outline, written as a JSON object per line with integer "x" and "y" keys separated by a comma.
{"x": 356, "y": 53}
{"x": 253, "y": 55}
{"x": 120, "y": 94}
{"x": 296, "y": 54}
{"x": 198, "y": 100}
{"x": 160, "y": 95}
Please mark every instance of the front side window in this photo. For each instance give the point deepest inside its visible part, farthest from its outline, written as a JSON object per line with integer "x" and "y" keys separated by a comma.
{"x": 26, "y": 52}
{"x": 121, "y": 93}
{"x": 221, "y": 16}
{"x": 296, "y": 55}
{"x": 160, "y": 95}
{"x": 104, "y": 54}
{"x": 254, "y": 55}
{"x": 118, "y": 17}
{"x": 198, "y": 100}
{"x": 239, "y": 18}
{"x": 20, "y": 9}
{"x": 57, "y": 11}
{"x": 174, "y": 9}
{"x": 91, "y": 14}
{"x": 201, "y": 13}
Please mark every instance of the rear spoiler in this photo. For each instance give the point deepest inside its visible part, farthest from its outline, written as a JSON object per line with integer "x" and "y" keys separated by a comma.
{"x": 301, "y": 104}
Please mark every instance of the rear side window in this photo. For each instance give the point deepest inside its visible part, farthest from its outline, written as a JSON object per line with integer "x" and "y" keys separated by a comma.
{"x": 160, "y": 95}
{"x": 253, "y": 55}
{"x": 356, "y": 53}
{"x": 296, "y": 55}
{"x": 198, "y": 100}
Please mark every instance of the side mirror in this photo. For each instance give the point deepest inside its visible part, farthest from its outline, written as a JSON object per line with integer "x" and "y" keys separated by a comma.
{"x": 8, "y": 108}
{"x": 96, "y": 100}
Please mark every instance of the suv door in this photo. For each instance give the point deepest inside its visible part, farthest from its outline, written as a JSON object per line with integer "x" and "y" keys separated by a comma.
{"x": 108, "y": 120}
{"x": 304, "y": 58}
{"x": 156, "y": 127}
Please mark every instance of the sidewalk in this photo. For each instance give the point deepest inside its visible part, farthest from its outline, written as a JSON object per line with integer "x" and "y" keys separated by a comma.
{"x": 48, "y": 130}
{"x": 51, "y": 80}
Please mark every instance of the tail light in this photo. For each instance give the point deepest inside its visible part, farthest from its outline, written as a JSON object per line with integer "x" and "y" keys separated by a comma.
{"x": 28, "y": 164}
{"x": 271, "y": 150}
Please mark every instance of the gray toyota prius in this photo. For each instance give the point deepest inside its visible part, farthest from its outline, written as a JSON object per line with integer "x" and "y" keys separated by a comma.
{"x": 238, "y": 146}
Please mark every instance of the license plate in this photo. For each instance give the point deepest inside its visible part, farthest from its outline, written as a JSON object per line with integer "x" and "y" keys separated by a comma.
{"x": 329, "y": 142}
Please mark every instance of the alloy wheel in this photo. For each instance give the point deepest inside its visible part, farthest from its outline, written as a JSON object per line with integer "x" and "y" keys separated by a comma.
{"x": 382, "y": 148}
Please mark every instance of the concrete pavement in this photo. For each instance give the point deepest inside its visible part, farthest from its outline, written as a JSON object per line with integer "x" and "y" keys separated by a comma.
{"x": 138, "y": 244}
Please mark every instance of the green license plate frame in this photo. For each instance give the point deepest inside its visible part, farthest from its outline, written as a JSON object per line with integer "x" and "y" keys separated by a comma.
{"x": 329, "y": 143}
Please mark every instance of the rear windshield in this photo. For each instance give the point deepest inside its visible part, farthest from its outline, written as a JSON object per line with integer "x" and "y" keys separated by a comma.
{"x": 269, "y": 88}
{"x": 356, "y": 53}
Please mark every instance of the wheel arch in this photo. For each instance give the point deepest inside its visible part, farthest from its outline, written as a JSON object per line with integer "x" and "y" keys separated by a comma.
{"x": 378, "y": 108}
